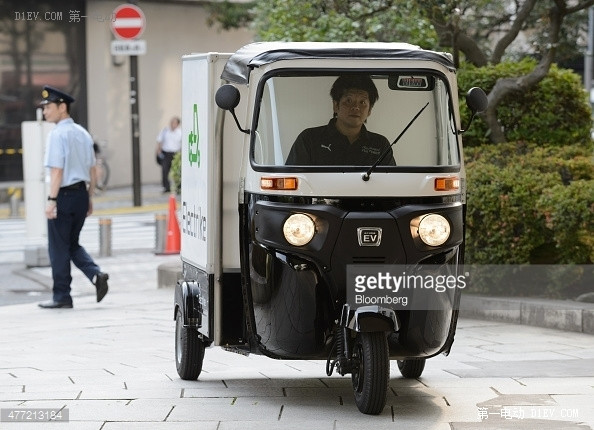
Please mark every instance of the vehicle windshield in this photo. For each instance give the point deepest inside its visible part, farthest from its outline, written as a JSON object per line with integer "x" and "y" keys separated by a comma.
{"x": 343, "y": 122}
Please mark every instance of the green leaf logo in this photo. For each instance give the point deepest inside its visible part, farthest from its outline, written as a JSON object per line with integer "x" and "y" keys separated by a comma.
{"x": 194, "y": 139}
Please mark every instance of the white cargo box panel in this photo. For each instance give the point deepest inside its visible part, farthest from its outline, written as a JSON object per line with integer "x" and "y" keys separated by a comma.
{"x": 207, "y": 220}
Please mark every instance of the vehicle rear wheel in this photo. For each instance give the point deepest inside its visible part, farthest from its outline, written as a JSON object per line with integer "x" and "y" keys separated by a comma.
{"x": 189, "y": 350}
{"x": 371, "y": 371}
{"x": 411, "y": 368}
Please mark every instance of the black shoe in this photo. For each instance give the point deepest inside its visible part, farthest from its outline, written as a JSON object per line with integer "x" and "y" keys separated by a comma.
{"x": 55, "y": 305}
{"x": 101, "y": 284}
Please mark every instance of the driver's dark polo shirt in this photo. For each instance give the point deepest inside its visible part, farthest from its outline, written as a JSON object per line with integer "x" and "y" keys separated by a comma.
{"x": 325, "y": 145}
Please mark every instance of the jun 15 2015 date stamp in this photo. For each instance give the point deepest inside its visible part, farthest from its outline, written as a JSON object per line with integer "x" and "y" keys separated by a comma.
{"x": 25, "y": 415}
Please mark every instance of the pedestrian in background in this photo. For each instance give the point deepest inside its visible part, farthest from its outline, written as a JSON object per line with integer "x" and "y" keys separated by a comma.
{"x": 70, "y": 159}
{"x": 168, "y": 143}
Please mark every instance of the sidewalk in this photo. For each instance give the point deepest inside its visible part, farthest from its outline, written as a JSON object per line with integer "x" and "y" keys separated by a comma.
{"x": 19, "y": 284}
{"x": 111, "y": 365}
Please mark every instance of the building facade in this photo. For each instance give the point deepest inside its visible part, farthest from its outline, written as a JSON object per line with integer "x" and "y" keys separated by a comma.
{"x": 67, "y": 44}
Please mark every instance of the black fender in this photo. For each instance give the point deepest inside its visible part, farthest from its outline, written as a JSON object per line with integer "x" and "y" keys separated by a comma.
{"x": 187, "y": 301}
{"x": 374, "y": 318}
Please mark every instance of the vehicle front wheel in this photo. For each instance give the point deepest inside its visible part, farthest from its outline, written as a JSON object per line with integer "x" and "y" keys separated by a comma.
{"x": 411, "y": 368}
{"x": 371, "y": 372}
{"x": 189, "y": 350}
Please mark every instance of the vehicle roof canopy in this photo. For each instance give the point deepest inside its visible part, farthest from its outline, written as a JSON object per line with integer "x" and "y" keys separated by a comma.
{"x": 254, "y": 55}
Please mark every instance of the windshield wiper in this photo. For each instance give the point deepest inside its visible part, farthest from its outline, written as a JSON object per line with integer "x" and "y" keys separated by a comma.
{"x": 367, "y": 174}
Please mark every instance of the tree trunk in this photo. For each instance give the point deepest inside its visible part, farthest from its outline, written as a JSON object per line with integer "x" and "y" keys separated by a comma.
{"x": 506, "y": 86}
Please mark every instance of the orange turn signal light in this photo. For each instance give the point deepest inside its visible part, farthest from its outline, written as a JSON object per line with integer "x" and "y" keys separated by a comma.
{"x": 278, "y": 183}
{"x": 447, "y": 184}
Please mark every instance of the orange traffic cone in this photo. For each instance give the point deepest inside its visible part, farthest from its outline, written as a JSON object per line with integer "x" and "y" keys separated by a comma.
{"x": 172, "y": 245}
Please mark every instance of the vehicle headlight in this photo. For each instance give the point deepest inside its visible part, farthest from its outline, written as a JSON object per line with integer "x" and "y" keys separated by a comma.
{"x": 434, "y": 229}
{"x": 299, "y": 229}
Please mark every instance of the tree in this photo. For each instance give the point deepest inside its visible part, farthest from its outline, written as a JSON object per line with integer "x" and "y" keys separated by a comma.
{"x": 483, "y": 31}
{"x": 501, "y": 23}
{"x": 343, "y": 20}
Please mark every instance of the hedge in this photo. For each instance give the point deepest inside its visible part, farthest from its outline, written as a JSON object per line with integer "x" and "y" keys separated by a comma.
{"x": 530, "y": 204}
{"x": 555, "y": 112}
{"x": 531, "y": 200}
{"x": 176, "y": 172}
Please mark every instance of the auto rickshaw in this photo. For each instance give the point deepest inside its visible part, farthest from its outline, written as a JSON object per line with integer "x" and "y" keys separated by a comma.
{"x": 314, "y": 259}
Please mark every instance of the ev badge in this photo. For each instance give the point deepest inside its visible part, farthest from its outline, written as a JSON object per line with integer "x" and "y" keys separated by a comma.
{"x": 369, "y": 236}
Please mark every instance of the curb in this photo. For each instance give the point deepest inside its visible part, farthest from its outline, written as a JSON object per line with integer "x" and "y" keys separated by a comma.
{"x": 168, "y": 274}
{"x": 563, "y": 315}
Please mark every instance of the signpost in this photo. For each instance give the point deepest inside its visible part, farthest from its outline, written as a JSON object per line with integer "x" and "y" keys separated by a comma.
{"x": 129, "y": 21}
{"x": 127, "y": 26}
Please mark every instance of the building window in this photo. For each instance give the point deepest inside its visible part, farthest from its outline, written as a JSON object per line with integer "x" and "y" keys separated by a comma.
{"x": 40, "y": 44}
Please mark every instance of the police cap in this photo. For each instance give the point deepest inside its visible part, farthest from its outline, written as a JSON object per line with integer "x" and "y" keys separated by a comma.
{"x": 54, "y": 95}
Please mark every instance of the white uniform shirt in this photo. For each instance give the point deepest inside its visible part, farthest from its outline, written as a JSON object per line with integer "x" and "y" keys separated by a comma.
{"x": 70, "y": 147}
{"x": 170, "y": 140}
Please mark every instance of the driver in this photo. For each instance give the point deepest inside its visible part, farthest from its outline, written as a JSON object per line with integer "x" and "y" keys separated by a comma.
{"x": 344, "y": 140}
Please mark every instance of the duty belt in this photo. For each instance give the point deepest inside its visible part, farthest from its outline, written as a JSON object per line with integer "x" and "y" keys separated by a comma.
{"x": 78, "y": 186}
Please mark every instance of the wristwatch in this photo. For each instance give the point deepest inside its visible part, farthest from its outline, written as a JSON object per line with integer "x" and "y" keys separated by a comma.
{"x": 52, "y": 199}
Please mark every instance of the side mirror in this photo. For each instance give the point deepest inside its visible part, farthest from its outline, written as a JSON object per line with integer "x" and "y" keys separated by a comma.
{"x": 227, "y": 98}
{"x": 477, "y": 102}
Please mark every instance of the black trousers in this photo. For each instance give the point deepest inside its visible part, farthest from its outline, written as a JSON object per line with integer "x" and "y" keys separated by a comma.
{"x": 63, "y": 234}
{"x": 165, "y": 168}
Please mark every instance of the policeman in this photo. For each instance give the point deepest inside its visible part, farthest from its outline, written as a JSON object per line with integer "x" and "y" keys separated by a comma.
{"x": 70, "y": 159}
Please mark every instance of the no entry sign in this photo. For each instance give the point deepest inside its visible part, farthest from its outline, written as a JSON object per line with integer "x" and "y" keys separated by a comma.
{"x": 128, "y": 22}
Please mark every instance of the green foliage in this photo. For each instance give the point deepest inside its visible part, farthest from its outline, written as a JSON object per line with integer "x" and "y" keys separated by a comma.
{"x": 555, "y": 112}
{"x": 343, "y": 21}
{"x": 531, "y": 201}
{"x": 569, "y": 215}
{"x": 175, "y": 172}
{"x": 230, "y": 15}
{"x": 530, "y": 204}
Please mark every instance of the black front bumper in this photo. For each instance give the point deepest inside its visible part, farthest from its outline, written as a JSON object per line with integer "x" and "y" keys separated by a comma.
{"x": 298, "y": 292}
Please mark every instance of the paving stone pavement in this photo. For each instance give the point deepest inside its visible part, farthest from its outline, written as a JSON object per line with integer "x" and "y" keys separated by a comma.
{"x": 111, "y": 364}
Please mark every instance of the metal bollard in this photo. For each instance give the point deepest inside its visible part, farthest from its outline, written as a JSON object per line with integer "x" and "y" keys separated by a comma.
{"x": 160, "y": 233}
{"x": 105, "y": 237}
